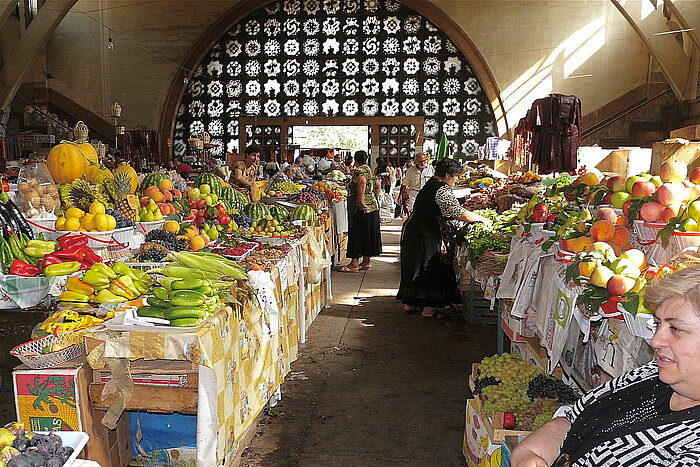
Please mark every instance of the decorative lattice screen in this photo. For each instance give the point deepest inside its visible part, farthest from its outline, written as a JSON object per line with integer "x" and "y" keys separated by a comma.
{"x": 349, "y": 58}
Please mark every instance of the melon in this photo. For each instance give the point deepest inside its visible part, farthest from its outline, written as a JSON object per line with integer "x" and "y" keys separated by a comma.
{"x": 304, "y": 212}
{"x": 256, "y": 210}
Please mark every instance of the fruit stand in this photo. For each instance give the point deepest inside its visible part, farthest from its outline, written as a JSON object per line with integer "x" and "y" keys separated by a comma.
{"x": 569, "y": 293}
{"x": 159, "y": 296}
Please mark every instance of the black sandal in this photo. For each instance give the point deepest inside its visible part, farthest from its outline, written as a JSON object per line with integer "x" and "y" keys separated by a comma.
{"x": 412, "y": 310}
{"x": 438, "y": 315}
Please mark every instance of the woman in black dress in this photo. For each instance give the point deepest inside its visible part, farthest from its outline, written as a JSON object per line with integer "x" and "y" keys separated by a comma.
{"x": 427, "y": 279}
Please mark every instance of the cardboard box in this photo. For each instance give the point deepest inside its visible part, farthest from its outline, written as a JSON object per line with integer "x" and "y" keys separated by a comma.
{"x": 477, "y": 447}
{"x": 623, "y": 161}
{"x": 513, "y": 327}
{"x": 679, "y": 150}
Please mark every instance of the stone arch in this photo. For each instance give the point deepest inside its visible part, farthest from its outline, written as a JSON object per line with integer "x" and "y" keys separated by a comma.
{"x": 448, "y": 54}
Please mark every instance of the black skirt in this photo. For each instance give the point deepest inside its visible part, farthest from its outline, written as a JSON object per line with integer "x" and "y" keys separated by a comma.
{"x": 427, "y": 277}
{"x": 364, "y": 235}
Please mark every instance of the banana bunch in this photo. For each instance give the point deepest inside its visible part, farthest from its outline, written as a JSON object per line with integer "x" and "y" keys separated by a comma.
{"x": 68, "y": 320}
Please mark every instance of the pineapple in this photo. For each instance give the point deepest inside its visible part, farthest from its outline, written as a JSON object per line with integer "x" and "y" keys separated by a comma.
{"x": 119, "y": 190}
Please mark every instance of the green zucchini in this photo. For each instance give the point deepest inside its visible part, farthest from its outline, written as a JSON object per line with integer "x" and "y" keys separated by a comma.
{"x": 177, "y": 312}
{"x": 151, "y": 312}
{"x": 157, "y": 302}
{"x": 186, "y": 284}
{"x": 185, "y": 322}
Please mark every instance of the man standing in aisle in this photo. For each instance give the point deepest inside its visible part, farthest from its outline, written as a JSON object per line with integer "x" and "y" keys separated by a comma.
{"x": 414, "y": 179}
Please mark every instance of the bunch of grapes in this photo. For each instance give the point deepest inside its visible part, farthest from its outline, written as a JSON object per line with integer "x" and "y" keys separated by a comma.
{"x": 506, "y": 397}
{"x": 314, "y": 191}
{"x": 507, "y": 367}
{"x": 539, "y": 413}
{"x": 242, "y": 221}
{"x": 122, "y": 221}
{"x": 166, "y": 239}
{"x": 481, "y": 383}
{"x": 550, "y": 388}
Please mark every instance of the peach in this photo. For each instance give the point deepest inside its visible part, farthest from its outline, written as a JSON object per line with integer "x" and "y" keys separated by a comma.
{"x": 695, "y": 175}
{"x": 642, "y": 188}
{"x": 586, "y": 268}
{"x": 637, "y": 257}
{"x": 165, "y": 184}
{"x": 144, "y": 201}
{"x": 171, "y": 226}
{"x": 621, "y": 235}
{"x": 198, "y": 242}
{"x": 157, "y": 197}
{"x": 589, "y": 179}
{"x": 670, "y": 212}
{"x": 164, "y": 208}
{"x": 651, "y": 211}
{"x": 582, "y": 226}
{"x": 672, "y": 171}
{"x": 618, "y": 285}
{"x": 607, "y": 214}
{"x": 616, "y": 183}
{"x": 602, "y": 231}
{"x": 150, "y": 191}
{"x": 607, "y": 199}
{"x": 167, "y": 196}
{"x": 177, "y": 194}
{"x": 582, "y": 244}
{"x": 622, "y": 220}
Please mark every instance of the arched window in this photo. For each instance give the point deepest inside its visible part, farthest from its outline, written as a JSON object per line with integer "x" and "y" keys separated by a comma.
{"x": 335, "y": 58}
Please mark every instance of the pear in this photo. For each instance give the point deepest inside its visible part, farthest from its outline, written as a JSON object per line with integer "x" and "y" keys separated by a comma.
{"x": 6, "y": 437}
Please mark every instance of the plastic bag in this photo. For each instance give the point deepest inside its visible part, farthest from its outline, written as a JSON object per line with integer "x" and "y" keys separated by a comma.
{"x": 317, "y": 263}
{"x": 37, "y": 194}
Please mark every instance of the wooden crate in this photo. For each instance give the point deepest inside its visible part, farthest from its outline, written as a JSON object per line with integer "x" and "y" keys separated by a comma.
{"x": 678, "y": 150}
{"x": 172, "y": 383}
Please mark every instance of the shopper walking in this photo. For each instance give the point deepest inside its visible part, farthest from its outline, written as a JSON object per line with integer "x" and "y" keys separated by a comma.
{"x": 648, "y": 416}
{"x": 414, "y": 179}
{"x": 427, "y": 279}
{"x": 364, "y": 235}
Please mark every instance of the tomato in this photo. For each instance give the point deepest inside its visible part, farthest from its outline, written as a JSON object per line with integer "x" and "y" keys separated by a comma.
{"x": 199, "y": 220}
{"x": 192, "y": 203}
{"x": 5, "y": 186}
{"x": 221, "y": 209}
{"x": 201, "y": 203}
{"x": 224, "y": 219}
{"x": 508, "y": 420}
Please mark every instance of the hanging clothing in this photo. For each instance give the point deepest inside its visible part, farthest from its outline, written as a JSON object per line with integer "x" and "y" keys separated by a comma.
{"x": 427, "y": 277}
{"x": 556, "y": 132}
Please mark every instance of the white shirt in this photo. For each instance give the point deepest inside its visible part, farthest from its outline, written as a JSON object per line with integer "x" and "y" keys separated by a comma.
{"x": 415, "y": 178}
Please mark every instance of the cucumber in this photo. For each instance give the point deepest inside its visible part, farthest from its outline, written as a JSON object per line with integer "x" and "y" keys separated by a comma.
{"x": 177, "y": 312}
{"x": 186, "y": 301}
{"x": 161, "y": 293}
{"x": 185, "y": 322}
{"x": 150, "y": 312}
{"x": 186, "y": 294}
{"x": 205, "y": 289}
{"x": 157, "y": 302}
{"x": 186, "y": 284}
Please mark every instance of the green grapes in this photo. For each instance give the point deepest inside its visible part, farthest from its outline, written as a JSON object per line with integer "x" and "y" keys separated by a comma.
{"x": 507, "y": 366}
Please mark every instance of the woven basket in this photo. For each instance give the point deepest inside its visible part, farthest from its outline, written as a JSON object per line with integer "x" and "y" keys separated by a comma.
{"x": 30, "y": 352}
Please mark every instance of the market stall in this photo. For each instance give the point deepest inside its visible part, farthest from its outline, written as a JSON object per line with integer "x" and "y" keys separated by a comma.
{"x": 569, "y": 294}
{"x": 163, "y": 296}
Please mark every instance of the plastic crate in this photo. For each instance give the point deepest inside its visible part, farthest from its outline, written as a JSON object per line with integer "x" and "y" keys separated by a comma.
{"x": 30, "y": 352}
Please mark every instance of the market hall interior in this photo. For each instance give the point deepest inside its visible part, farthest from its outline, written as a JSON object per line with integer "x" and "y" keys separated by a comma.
{"x": 373, "y": 386}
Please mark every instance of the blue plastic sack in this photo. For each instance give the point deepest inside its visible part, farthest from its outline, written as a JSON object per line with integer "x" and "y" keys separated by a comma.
{"x": 163, "y": 431}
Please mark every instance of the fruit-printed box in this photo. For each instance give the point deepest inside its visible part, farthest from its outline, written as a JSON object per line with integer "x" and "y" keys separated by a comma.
{"x": 477, "y": 448}
{"x": 47, "y": 399}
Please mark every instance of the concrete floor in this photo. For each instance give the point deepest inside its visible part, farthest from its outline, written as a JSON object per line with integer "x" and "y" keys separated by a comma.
{"x": 372, "y": 385}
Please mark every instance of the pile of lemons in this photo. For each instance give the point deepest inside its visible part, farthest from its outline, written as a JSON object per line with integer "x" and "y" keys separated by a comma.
{"x": 95, "y": 220}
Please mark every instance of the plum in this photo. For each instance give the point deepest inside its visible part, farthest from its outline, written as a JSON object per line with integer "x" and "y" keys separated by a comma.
{"x": 21, "y": 443}
{"x": 54, "y": 462}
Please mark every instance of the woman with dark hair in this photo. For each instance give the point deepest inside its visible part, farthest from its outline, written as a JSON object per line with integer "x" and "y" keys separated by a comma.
{"x": 364, "y": 236}
{"x": 427, "y": 280}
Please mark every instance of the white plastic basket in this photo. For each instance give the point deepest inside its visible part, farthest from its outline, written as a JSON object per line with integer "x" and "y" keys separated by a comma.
{"x": 96, "y": 240}
{"x": 145, "y": 227}
{"x": 683, "y": 240}
{"x": 30, "y": 352}
{"x": 638, "y": 325}
{"x": 124, "y": 235}
{"x": 43, "y": 226}
{"x": 74, "y": 439}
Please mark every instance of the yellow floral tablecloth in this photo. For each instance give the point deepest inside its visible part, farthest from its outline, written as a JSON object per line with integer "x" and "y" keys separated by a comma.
{"x": 248, "y": 363}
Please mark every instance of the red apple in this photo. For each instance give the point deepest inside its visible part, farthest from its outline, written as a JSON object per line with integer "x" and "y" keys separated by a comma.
{"x": 608, "y": 214}
{"x": 695, "y": 175}
{"x": 607, "y": 199}
{"x": 651, "y": 211}
{"x": 616, "y": 183}
{"x": 641, "y": 188}
{"x": 619, "y": 285}
{"x": 508, "y": 420}
{"x": 540, "y": 213}
{"x": 672, "y": 193}
{"x": 626, "y": 207}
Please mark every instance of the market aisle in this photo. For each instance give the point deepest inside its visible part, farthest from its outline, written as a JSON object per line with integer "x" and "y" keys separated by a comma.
{"x": 373, "y": 386}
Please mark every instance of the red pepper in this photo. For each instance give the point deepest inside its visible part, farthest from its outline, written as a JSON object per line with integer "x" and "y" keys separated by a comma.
{"x": 67, "y": 241}
{"x": 85, "y": 265}
{"x": 90, "y": 256}
{"x": 60, "y": 257}
{"x": 20, "y": 268}
{"x": 76, "y": 255}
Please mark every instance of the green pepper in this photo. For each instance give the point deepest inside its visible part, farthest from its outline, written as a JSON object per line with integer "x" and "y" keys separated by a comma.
{"x": 96, "y": 279}
{"x": 104, "y": 269}
{"x": 39, "y": 249}
{"x": 130, "y": 283}
{"x": 105, "y": 296}
{"x": 62, "y": 269}
{"x": 121, "y": 289}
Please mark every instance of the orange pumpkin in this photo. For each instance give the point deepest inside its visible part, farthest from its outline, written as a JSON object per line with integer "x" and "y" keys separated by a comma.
{"x": 65, "y": 162}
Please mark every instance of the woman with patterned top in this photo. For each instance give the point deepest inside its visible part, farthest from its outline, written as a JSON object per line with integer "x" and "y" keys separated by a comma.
{"x": 364, "y": 235}
{"x": 245, "y": 171}
{"x": 649, "y": 416}
{"x": 427, "y": 279}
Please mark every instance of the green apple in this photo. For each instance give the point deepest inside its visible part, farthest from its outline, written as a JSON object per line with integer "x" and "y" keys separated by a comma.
{"x": 656, "y": 180}
{"x": 204, "y": 189}
{"x": 694, "y": 211}
{"x": 691, "y": 225}
{"x": 214, "y": 198}
{"x": 646, "y": 177}
{"x": 208, "y": 199}
{"x": 193, "y": 193}
{"x": 619, "y": 198}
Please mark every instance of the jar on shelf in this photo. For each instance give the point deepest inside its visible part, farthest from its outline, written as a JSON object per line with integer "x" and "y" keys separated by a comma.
{"x": 37, "y": 194}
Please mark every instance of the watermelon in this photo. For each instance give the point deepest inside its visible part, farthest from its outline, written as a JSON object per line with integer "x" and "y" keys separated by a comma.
{"x": 152, "y": 180}
{"x": 256, "y": 210}
{"x": 210, "y": 179}
{"x": 234, "y": 198}
{"x": 304, "y": 212}
{"x": 279, "y": 213}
